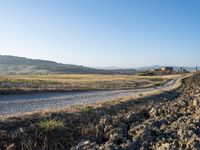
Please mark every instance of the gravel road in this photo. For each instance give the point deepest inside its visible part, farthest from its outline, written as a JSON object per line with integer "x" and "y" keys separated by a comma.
{"x": 16, "y": 104}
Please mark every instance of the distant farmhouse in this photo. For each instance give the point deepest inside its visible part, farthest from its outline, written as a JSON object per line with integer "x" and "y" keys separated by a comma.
{"x": 164, "y": 69}
{"x": 167, "y": 69}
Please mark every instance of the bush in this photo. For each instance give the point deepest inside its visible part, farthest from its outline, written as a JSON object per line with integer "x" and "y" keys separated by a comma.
{"x": 87, "y": 109}
{"x": 157, "y": 84}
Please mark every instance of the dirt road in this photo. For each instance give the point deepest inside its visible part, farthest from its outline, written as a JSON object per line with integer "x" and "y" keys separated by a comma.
{"x": 16, "y": 104}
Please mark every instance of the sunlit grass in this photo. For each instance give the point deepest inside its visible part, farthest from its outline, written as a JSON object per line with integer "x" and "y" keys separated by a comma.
{"x": 87, "y": 109}
{"x": 51, "y": 124}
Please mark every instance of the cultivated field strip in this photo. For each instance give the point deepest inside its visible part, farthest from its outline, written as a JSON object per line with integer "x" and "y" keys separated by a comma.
{"x": 12, "y": 84}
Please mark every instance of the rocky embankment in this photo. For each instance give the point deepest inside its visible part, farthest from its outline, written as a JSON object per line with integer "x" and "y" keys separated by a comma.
{"x": 169, "y": 124}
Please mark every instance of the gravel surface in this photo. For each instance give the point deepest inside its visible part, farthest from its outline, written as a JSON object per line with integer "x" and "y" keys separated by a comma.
{"x": 17, "y": 104}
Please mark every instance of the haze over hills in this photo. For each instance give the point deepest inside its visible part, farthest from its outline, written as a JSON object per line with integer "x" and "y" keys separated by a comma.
{"x": 22, "y": 65}
{"x": 145, "y": 68}
{"x": 158, "y": 66}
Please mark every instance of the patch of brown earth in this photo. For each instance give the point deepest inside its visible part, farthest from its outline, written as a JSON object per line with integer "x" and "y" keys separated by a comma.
{"x": 171, "y": 124}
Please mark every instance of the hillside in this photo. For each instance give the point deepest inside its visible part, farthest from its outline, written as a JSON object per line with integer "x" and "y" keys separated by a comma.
{"x": 21, "y": 65}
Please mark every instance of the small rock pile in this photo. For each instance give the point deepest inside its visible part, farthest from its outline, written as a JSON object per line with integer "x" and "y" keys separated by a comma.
{"x": 167, "y": 125}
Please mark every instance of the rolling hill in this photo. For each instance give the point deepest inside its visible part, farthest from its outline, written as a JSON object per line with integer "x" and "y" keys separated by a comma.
{"x": 22, "y": 65}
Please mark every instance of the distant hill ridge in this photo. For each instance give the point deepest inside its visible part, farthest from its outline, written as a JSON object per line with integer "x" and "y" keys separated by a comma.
{"x": 22, "y": 65}
{"x": 157, "y": 67}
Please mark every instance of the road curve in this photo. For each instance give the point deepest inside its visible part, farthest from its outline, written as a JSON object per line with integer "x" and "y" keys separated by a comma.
{"x": 16, "y": 104}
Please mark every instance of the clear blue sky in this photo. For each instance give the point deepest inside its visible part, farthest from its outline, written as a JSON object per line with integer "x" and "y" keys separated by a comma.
{"x": 121, "y": 33}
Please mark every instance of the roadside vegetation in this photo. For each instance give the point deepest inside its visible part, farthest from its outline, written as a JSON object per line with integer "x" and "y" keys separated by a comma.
{"x": 28, "y": 83}
{"x": 157, "y": 84}
{"x": 51, "y": 124}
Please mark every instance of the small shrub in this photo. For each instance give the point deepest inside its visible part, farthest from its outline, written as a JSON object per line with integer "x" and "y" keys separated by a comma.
{"x": 140, "y": 94}
{"x": 145, "y": 73}
{"x": 157, "y": 84}
{"x": 87, "y": 109}
{"x": 51, "y": 124}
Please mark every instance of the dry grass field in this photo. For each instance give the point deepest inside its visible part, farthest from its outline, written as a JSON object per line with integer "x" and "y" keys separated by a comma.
{"x": 77, "y": 82}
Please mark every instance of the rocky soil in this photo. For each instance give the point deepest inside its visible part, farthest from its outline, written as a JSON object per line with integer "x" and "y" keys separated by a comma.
{"x": 166, "y": 125}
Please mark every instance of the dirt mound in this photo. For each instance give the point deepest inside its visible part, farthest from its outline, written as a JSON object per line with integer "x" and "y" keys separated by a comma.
{"x": 193, "y": 81}
{"x": 166, "y": 125}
